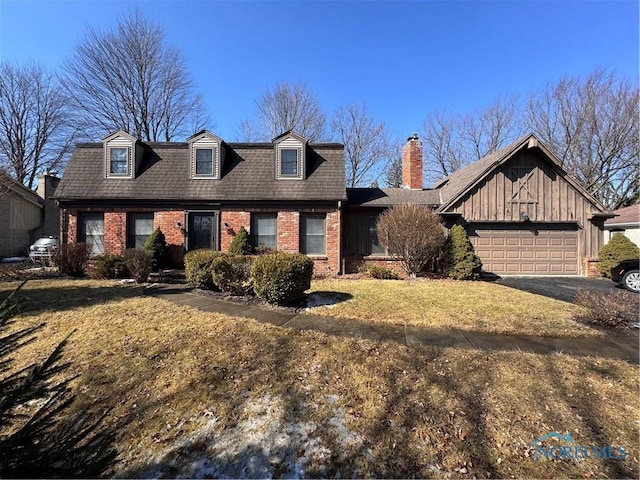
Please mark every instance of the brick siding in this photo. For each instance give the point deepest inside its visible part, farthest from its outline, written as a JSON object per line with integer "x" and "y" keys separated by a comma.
{"x": 288, "y": 232}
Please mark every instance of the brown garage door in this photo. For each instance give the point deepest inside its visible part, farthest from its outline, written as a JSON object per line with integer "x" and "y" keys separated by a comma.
{"x": 527, "y": 252}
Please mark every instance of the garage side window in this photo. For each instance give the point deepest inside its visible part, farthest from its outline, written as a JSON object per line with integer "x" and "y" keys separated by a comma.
{"x": 91, "y": 232}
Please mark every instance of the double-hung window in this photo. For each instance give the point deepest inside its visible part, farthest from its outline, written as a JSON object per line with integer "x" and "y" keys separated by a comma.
{"x": 289, "y": 162}
{"x": 91, "y": 232}
{"x": 139, "y": 229}
{"x": 312, "y": 234}
{"x": 204, "y": 161}
{"x": 263, "y": 230}
{"x": 118, "y": 161}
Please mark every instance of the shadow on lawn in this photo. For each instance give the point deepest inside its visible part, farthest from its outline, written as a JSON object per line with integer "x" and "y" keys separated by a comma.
{"x": 50, "y": 296}
{"x": 40, "y": 435}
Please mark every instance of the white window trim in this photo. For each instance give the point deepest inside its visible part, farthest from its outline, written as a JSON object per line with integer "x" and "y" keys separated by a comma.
{"x": 205, "y": 144}
{"x": 129, "y": 169}
{"x": 282, "y": 176}
{"x": 214, "y": 161}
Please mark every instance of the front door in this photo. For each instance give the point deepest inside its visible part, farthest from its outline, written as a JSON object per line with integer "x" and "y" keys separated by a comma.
{"x": 203, "y": 230}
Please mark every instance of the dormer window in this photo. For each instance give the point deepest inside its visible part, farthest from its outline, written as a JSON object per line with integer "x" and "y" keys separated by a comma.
{"x": 206, "y": 153}
{"x": 289, "y": 162}
{"x": 204, "y": 161}
{"x": 118, "y": 160}
{"x": 290, "y": 153}
{"x": 120, "y": 152}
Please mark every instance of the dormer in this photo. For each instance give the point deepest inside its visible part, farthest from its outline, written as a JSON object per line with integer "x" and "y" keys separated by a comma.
{"x": 290, "y": 156}
{"x": 120, "y": 153}
{"x": 206, "y": 155}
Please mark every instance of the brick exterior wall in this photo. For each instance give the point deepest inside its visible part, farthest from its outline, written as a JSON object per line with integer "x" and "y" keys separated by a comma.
{"x": 412, "y": 163}
{"x": 233, "y": 219}
{"x": 288, "y": 232}
{"x": 115, "y": 229}
{"x": 353, "y": 263}
{"x": 591, "y": 267}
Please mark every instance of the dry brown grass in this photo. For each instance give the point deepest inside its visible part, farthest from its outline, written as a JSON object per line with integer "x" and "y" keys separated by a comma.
{"x": 449, "y": 304}
{"x": 420, "y": 412}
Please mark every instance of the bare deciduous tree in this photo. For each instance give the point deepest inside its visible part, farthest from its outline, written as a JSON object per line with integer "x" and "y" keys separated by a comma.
{"x": 452, "y": 141}
{"x": 35, "y": 134}
{"x": 411, "y": 233}
{"x": 283, "y": 108}
{"x": 367, "y": 144}
{"x": 129, "y": 78}
{"x": 592, "y": 125}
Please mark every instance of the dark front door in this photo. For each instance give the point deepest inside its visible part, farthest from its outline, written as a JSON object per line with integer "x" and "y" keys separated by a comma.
{"x": 202, "y": 231}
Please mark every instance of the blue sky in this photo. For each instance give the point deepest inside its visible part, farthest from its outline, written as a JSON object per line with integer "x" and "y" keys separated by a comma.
{"x": 404, "y": 59}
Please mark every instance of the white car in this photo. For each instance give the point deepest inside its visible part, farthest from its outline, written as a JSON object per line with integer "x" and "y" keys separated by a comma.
{"x": 43, "y": 248}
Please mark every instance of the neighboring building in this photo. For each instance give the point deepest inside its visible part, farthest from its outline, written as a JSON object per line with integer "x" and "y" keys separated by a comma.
{"x": 626, "y": 222}
{"x": 524, "y": 214}
{"x": 26, "y": 215}
{"x": 287, "y": 193}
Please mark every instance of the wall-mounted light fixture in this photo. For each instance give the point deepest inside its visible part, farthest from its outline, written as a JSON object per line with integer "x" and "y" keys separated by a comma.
{"x": 178, "y": 225}
{"x": 226, "y": 225}
{"x": 524, "y": 216}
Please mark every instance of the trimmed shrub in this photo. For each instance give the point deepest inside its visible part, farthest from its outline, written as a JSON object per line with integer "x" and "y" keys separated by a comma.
{"x": 71, "y": 258}
{"x": 617, "y": 309}
{"x": 380, "y": 273}
{"x": 241, "y": 244}
{"x": 264, "y": 250}
{"x": 232, "y": 273}
{"x": 157, "y": 245}
{"x": 139, "y": 262}
{"x": 460, "y": 260}
{"x": 282, "y": 278}
{"x": 197, "y": 268}
{"x": 618, "y": 248}
{"x": 106, "y": 266}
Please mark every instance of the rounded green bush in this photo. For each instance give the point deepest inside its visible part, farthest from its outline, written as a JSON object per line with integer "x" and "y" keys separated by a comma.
{"x": 232, "y": 273}
{"x": 108, "y": 265}
{"x": 618, "y": 248}
{"x": 460, "y": 261}
{"x": 282, "y": 278}
{"x": 197, "y": 268}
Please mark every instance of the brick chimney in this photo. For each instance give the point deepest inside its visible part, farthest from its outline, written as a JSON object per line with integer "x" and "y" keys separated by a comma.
{"x": 412, "y": 163}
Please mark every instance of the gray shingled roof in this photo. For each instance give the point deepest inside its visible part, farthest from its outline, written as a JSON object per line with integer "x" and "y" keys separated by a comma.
{"x": 459, "y": 180}
{"x": 387, "y": 197}
{"x": 248, "y": 174}
{"x": 625, "y": 216}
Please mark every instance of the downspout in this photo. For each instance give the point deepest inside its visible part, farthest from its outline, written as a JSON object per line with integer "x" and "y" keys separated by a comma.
{"x": 341, "y": 259}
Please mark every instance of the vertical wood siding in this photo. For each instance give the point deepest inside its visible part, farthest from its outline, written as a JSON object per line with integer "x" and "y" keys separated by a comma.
{"x": 528, "y": 183}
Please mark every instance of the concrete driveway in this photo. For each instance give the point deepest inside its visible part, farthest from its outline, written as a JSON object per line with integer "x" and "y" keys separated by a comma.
{"x": 560, "y": 288}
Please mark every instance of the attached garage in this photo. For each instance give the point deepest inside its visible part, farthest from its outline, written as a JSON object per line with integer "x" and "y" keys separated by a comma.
{"x": 535, "y": 250}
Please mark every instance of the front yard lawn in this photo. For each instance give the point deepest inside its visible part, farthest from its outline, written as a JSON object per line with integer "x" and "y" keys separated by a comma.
{"x": 448, "y": 304}
{"x": 198, "y": 394}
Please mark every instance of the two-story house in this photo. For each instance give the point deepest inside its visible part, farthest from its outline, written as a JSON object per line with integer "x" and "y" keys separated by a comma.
{"x": 287, "y": 193}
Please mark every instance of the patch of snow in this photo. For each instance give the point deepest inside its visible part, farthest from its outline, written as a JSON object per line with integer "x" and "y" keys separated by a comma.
{"x": 268, "y": 442}
{"x": 127, "y": 280}
{"x": 321, "y": 300}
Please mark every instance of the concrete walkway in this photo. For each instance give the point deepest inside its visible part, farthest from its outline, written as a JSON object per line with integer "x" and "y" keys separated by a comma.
{"x": 616, "y": 346}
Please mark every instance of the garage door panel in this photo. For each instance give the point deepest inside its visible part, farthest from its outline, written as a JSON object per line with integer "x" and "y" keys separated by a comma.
{"x": 527, "y": 252}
